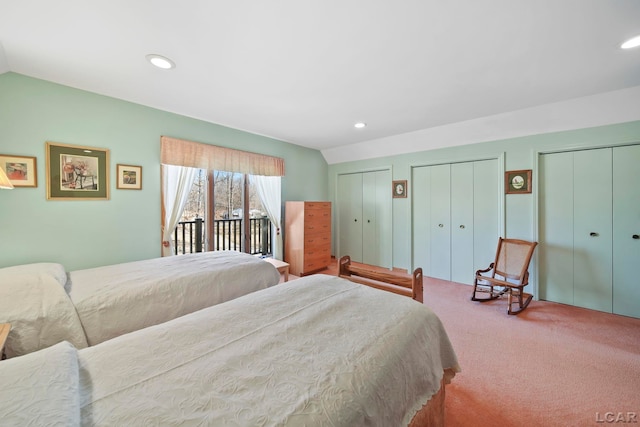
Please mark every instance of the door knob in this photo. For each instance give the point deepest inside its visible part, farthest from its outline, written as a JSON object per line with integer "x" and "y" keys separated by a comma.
{"x": 593, "y": 234}
{"x": 635, "y": 236}
{"x": 355, "y": 220}
{"x": 368, "y": 220}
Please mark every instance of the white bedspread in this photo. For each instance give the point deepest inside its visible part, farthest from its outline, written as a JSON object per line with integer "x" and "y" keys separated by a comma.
{"x": 316, "y": 351}
{"x": 121, "y": 298}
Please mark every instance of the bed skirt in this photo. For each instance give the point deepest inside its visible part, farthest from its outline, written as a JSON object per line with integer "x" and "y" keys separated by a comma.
{"x": 432, "y": 413}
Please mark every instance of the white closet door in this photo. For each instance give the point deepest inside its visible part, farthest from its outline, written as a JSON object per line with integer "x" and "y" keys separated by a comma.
{"x": 626, "y": 230}
{"x": 421, "y": 215}
{"x": 376, "y": 219}
{"x": 350, "y": 215}
{"x": 369, "y": 237}
{"x": 462, "y": 201}
{"x": 455, "y": 218}
{"x": 486, "y": 225}
{"x": 555, "y": 249}
{"x": 364, "y": 217}
{"x": 440, "y": 210}
{"x": 592, "y": 229}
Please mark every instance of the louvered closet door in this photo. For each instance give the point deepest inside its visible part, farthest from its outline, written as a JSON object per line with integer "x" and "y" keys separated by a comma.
{"x": 626, "y": 230}
{"x": 350, "y": 215}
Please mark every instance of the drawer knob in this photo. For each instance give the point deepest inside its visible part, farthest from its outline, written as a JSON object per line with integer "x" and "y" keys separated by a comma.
{"x": 593, "y": 234}
{"x": 635, "y": 236}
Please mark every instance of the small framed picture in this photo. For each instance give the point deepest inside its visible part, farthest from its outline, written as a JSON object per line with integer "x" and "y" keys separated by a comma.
{"x": 517, "y": 182}
{"x": 129, "y": 177}
{"x": 400, "y": 189}
{"x": 76, "y": 172}
{"x": 21, "y": 170}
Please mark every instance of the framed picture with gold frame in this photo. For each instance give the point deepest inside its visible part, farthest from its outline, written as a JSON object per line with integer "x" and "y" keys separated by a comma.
{"x": 77, "y": 172}
{"x": 517, "y": 182}
{"x": 21, "y": 170}
{"x": 128, "y": 177}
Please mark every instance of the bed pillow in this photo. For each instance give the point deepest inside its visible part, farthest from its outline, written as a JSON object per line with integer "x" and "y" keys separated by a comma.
{"x": 41, "y": 388}
{"x": 57, "y": 271}
{"x": 40, "y": 312}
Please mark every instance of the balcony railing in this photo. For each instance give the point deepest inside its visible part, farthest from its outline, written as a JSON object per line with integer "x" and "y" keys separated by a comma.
{"x": 189, "y": 236}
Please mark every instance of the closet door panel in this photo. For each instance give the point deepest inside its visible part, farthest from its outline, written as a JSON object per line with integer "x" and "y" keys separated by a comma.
{"x": 626, "y": 225}
{"x": 555, "y": 251}
{"x": 462, "y": 184}
{"x": 592, "y": 227}
{"x": 384, "y": 220}
{"x": 440, "y": 209}
{"x": 350, "y": 215}
{"x": 486, "y": 228}
{"x": 369, "y": 235}
{"x": 421, "y": 214}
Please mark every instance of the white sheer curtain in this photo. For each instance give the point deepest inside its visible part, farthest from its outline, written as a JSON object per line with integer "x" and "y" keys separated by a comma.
{"x": 269, "y": 191}
{"x": 176, "y": 185}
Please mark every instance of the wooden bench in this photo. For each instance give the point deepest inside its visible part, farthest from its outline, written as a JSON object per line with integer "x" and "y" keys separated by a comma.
{"x": 410, "y": 286}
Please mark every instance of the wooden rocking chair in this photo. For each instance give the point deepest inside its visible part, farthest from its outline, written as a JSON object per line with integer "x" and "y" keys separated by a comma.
{"x": 512, "y": 266}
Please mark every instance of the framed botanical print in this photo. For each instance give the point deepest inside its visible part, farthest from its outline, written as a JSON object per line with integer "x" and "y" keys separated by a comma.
{"x": 400, "y": 189}
{"x": 516, "y": 182}
{"x": 21, "y": 170}
{"x": 128, "y": 177}
{"x": 77, "y": 172}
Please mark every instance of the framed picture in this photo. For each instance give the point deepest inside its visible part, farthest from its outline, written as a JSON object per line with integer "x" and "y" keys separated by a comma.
{"x": 129, "y": 177}
{"x": 77, "y": 173}
{"x": 400, "y": 189}
{"x": 516, "y": 182}
{"x": 21, "y": 170}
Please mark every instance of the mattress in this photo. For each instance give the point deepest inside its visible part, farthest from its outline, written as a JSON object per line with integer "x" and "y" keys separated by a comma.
{"x": 315, "y": 351}
{"x": 117, "y": 299}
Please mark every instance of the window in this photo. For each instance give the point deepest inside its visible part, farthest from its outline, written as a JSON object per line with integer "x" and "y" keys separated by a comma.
{"x": 204, "y": 207}
{"x": 226, "y": 230}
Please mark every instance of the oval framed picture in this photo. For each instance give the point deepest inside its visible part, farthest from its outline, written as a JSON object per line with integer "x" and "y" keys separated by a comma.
{"x": 517, "y": 182}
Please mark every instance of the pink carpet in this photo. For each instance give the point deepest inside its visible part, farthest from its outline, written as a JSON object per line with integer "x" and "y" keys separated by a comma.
{"x": 551, "y": 365}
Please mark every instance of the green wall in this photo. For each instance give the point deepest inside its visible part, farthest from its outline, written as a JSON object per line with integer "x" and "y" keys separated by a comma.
{"x": 520, "y": 217}
{"x": 83, "y": 234}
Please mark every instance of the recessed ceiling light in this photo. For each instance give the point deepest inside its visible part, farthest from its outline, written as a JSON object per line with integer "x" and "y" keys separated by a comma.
{"x": 634, "y": 42}
{"x": 161, "y": 61}
{"x": 360, "y": 125}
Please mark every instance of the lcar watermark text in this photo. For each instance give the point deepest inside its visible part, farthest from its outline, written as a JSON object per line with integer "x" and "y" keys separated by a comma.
{"x": 617, "y": 417}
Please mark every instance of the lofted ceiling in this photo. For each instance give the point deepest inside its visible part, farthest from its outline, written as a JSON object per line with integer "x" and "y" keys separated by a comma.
{"x": 305, "y": 71}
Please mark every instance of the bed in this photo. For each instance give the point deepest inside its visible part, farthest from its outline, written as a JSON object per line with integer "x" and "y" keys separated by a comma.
{"x": 319, "y": 350}
{"x": 46, "y": 305}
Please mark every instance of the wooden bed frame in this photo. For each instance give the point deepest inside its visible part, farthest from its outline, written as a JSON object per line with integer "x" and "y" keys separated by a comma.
{"x": 410, "y": 286}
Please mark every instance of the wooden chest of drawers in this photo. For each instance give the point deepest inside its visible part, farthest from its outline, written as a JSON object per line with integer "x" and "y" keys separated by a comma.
{"x": 307, "y": 236}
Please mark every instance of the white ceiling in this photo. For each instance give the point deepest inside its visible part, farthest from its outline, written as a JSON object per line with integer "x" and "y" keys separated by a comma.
{"x": 305, "y": 71}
